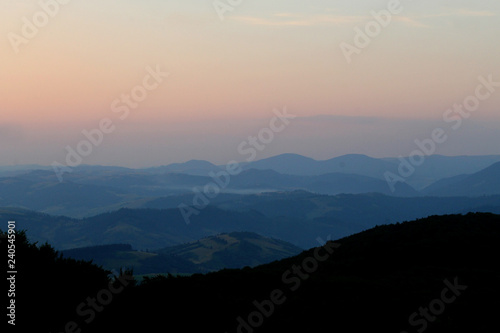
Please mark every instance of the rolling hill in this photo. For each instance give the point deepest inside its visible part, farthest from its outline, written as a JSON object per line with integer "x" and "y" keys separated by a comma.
{"x": 233, "y": 250}
{"x": 484, "y": 182}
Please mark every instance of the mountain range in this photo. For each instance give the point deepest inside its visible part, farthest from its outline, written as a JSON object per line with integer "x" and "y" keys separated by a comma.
{"x": 90, "y": 190}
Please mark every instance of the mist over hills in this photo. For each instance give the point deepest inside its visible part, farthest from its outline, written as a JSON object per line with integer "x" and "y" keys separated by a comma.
{"x": 434, "y": 168}
{"x": 90, "y": 190}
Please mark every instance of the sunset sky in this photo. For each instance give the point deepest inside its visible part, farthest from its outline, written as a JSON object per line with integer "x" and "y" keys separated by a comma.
{"x": 227, "y": 76}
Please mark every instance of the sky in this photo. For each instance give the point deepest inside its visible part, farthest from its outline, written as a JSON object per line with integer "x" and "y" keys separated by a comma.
{"x": 223, "y": 70}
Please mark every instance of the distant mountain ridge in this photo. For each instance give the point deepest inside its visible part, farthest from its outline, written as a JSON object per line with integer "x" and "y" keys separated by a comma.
{"x": 484, "y": 182}
{"x": 192, "y": 167}
{"x": 435, "y": 166}
{"x": 294, "y": 164}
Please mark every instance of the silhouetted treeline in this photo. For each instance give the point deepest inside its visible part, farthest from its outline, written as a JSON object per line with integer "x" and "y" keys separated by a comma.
{"x": 438, "y": 274}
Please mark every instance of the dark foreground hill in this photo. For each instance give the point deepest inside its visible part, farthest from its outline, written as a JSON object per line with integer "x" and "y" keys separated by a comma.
{"x": 381, "y": 280}
{"x": 438, "y": 274}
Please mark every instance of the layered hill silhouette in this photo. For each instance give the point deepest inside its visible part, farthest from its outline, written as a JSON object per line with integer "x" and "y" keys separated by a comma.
{"x": 90, "y": 190}
{"x": 296, "y": 217}
{"x": 83, "y": 194}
